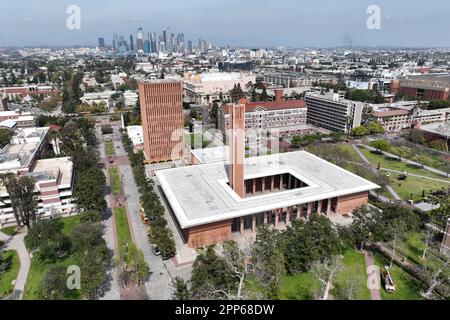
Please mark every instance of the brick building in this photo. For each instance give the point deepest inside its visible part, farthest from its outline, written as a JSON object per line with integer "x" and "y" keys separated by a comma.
{"x": 214, "y": 200}
{"x": 426, "y": 87}
{"x": 162, "y": 119}
{"x": 287, "y": 116}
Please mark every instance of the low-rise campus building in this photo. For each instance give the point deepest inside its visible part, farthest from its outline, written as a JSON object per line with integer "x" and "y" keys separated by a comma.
{"x": 213, "y": 200}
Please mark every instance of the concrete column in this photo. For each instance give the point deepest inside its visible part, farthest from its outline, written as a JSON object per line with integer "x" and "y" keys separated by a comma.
{"x": 271, "y": 183}
{"x": 254, "y": 223}
{"x": 299, "y": 211}
{"x": 277, "y": 217}
{"x": 309, "y": 209}
{"x": 290, "y": 182}
{"x": 319, "y": 206}
{"x": 242, "y": 224}
{"x": 281, "y": 182}
{"x": 288, "y": 215}
{"x": 329, "y": 207}
{"x": 254, "y": 185}
{"x": 265, "y": 217}
{"x": 263, "y": 184}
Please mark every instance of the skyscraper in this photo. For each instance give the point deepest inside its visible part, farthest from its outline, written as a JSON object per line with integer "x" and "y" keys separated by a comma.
{"x": 146, "y": 46}
{"x": 101, "y": 43}
{"x": 189, "y": 46}
{"x": 153, "y": 43}
{"x": 131, "y": 42}
{"x": 162, "y": 119}
{"x": 140, "y": 40}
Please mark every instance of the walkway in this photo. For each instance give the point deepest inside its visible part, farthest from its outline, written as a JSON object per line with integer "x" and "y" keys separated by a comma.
{"x": 388, "y": 187}
{"x": 109, "y": 235}
{"x": 430, "y": 169}
{"x": 374, "y": 291}
{"x": 159, "y": 283}
{"x": 17, "y": 243}
{"x": 415, "y": 175}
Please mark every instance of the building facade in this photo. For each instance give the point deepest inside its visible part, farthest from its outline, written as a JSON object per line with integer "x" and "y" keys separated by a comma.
{"x": 426, "y": 87}
{"x": 287, "y": 117}
{"x": 333, "y": 113}
{"x": 162, "y": 119}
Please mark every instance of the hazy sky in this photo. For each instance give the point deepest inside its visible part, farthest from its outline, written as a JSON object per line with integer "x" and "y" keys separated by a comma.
{"x": 295, "y": 23}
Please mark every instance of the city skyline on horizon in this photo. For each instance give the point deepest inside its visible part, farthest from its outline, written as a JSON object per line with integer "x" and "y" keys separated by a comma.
{"x": 339, "y": 26}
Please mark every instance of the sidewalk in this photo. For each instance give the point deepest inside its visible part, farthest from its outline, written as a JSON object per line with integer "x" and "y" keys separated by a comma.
{"x": 17, "y": 243}
{"x": 374, "y": 293}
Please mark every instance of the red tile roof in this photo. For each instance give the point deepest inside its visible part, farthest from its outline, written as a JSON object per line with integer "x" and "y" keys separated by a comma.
{"x": 269, "y": 105}
{"x": 391, "y": 113}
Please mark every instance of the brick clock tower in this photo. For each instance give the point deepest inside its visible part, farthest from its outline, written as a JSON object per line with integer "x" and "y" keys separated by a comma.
{"x": 237, "y": 147}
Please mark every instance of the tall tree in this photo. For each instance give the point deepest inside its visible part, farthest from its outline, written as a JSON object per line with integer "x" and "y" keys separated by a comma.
{"x": 23, "y": 198}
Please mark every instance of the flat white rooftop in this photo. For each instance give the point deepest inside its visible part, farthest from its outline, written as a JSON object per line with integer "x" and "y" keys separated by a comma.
{"x": 200, "y": 194}
{"x": 214, "y": 154}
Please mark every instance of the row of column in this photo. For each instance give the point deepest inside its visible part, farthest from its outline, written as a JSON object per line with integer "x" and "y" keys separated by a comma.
{"x": 292, "y": 183}
{"x": 277, "y": 214}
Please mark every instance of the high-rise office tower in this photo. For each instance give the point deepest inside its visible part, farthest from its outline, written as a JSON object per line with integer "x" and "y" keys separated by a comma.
{"x": 162, "y": 119}
{"x": 153, "y": 43}
{"x": 101, "y": 43}
{"x": 131, "y": 42}
{"x": 146, "y": 46}
{"x": 140, "y": 39}
{"x": 115, "y": 42}
{"x": 189, "y": 46}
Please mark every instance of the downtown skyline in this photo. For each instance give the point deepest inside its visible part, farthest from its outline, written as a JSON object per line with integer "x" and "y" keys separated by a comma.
{"x": 325, "y": 24}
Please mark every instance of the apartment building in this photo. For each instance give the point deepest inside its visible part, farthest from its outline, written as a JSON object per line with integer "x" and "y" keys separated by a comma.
{"x": 53, "y": 177}
{"x": 329, "y": 111}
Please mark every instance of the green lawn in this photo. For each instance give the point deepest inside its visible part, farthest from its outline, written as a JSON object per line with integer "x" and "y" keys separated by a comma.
{"x": 6, "y": 278}
{"x": 388, "y": 163}
{"x": 415, "y": 186}
{"x": 407, "y": 287}
{"x": 9, "y": 231}
{"x": 122, "y": 230}
{"x": 114, "y": 178}
{"x": 412, "y": 247}
{"x": 38, "y": 267}
{"x": 353, "y": 274}
{"x": 351, "y": 153}
{"x": 109, "y": 149}
{"x": 301, "y": 286}
{"x": 198, "y": 138}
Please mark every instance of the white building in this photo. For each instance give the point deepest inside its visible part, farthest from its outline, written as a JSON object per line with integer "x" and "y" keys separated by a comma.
{"x": 207, "y": 87}
{"x": 136, "y": 135}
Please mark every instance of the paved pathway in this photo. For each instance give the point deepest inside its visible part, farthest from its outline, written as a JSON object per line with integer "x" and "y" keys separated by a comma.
{"x": 159, "y": 283}
{"x": 415, "y": 175}
{"x": 113, "y": 293}
{"x": 388, "y": 187}
{"x": 374, "y": 293}
{"x": 17, "y": 243}
{"x": 439, "y": 172}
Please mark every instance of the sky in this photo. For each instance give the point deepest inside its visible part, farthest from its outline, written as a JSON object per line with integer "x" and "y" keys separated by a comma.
{"x": 247, "y": 23}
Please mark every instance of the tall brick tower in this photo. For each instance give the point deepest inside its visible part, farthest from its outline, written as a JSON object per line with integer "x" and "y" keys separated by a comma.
{"x": 236, "y": 138}
{"x": 162, "y": 119}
